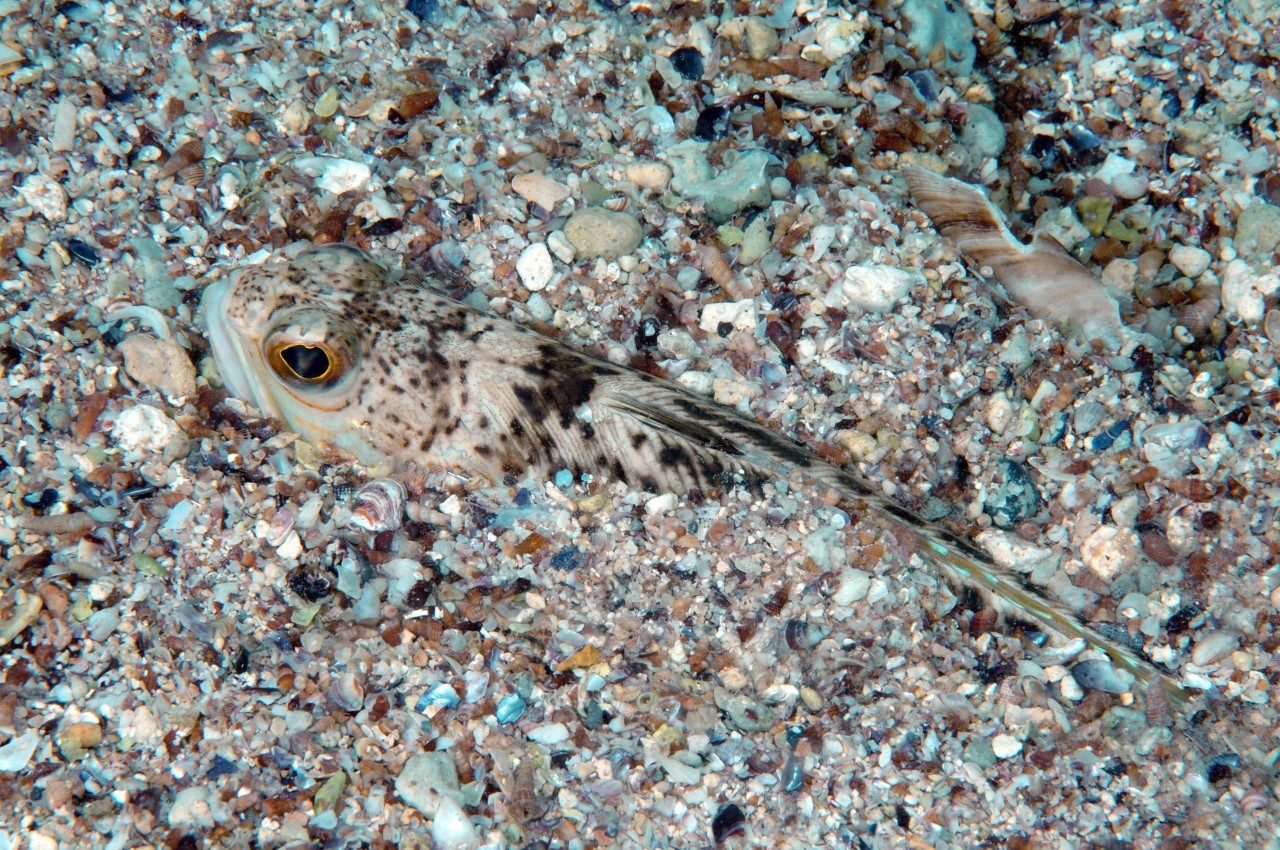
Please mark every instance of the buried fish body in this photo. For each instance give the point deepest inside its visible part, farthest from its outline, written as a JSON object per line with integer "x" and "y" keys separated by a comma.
{"x": 351, "y": 354}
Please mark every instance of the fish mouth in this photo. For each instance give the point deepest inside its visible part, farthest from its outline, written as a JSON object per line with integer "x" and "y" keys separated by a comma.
{"x": 239, "y": 367}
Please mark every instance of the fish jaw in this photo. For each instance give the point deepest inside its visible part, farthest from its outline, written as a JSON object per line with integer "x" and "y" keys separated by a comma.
{"x": 239, "y": 363}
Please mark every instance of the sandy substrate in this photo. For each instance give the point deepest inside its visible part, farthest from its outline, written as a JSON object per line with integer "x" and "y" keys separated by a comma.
{"x": 198, "y": 648}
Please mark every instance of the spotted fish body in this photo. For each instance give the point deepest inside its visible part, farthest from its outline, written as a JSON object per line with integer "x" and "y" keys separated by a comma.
{"x": 350, "y": 354}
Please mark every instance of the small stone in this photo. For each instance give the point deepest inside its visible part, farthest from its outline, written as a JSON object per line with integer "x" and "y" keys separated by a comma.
{"x": 1258, "y": 230}
{"x": 660, "y": 504}
{"x": 451, "y": 829}
{"x": 597, "y": 232}
{"x": 755, "y": 241}
{"x": 745, "y": 183}
{"x": 327, "y": 105}
{"x": 537, "y": 188}
{"x": 159, "y": 364}
{"x": 550, "y": 734}
{"x": 535, "y": 267}
{"x": 983, "y": 133}
{"x": 335, "y": 175}
{"x": 192, "y": 809}
{"x": 999, "y": 413}
{"x": 10, "y": 59}
{"x": 45, "y": 196}
{"x": 1244, "y": 292}
{"x": 427, "y": 778}
{"x": 1114, "y": 166}
{"x": 1005, "y": 746}
{"x": 63, "y": 138}
{"x": 143, "y": 428}
{"x": 873, "y": 287}
{"x": 1191, "y": 261}
{"x": 1213, "y": 647}
{"x": 76, "y": 739}
{"x": 24, "y": 612}
{"x": 16, "y": 754}
{"x": 561, "y": 247}
{"x": 1095, "y": 212}
{"x": 1100, "y": 674}
{"x": 588, "y": 656}
{"x": 688, "y": 63}
{"x": 853, "y": 587}
{"x": 759, "y": 39}
{"x": 837, "y": 37}
{"x": 651, "y": 176}
{"x": 1110, "y": 551}
{"x": 741, "y": 315}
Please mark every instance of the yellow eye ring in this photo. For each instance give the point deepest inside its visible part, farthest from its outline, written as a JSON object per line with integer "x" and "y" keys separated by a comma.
{"x": 310, "y": 364}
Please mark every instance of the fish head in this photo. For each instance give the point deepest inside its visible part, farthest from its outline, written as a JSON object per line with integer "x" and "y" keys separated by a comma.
{"x": 287, "y": 338}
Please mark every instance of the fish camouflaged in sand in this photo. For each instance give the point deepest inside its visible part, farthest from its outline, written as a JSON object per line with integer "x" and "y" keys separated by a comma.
{"x": 351, "y": 354}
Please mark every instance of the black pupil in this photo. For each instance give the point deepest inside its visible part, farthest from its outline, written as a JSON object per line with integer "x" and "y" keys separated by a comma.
{"x": 307, "y": 362}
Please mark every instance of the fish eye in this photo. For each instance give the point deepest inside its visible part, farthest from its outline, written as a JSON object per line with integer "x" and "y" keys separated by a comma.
{"x": 309, "y": 362}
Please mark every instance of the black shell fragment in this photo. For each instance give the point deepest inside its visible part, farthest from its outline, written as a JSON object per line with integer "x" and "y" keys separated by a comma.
{"x": 713, "y": 122}
{"x": 728, "y": 821}
{"x": 688, "y": 61}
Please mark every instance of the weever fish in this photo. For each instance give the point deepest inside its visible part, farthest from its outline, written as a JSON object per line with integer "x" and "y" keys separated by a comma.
{"x": 352, "y": 354}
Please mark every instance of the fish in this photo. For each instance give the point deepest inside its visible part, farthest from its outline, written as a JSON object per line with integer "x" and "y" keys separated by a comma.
{"x": 371, "y": 362}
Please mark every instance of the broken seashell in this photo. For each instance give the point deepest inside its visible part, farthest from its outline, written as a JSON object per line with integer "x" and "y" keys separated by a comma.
{"x": 1043, "y": 276}
{"x": 188, "y": 153}
{"x": 380, "y": 505}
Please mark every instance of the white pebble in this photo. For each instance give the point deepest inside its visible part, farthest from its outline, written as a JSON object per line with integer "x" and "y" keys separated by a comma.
{"x": 426, "y": 779}
{"x": 1190, "y": 260}
{"x": 334, "y": 174}
{"x": 1110, "y": 551}
{"x": 192, "y": 809}
{"x": 45, "y": 196}
{"x": 64, "y": 126}
{"x": 660, "y": 504}
{"x": 653, "y": 176}
{"x": 1005, "y": 746}
{"x": 1213, "y": 647}
{"x": 550, "y": 734}
{"x": 560, "y": 245}
{"x": 854, "y": 585}
{"x": 1244, "y": 293}
{"x": 143, "y": 427}
{"x": 535, "y": 267}
{"x": 452, "y": 829}
{"x": 872, "y": 287}
{"x": 539, "y": 189}
{"x": 999, "y": 413}
{"x": 16, "y": 754}
{"x": 740, "y": 314}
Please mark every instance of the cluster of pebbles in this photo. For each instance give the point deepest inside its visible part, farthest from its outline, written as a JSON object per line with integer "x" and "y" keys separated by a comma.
{"x": 214, "y": 635}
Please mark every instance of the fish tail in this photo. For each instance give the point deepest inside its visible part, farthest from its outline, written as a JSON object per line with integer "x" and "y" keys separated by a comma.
{"x": 1018, "y": 598}
{"x": 1010, "y": 593}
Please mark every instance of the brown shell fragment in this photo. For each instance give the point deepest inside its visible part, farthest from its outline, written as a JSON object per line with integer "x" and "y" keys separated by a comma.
{"x": 186, "y": 154}
{"x": 1043, "y": 276}
{"x": 193, "y": 175}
